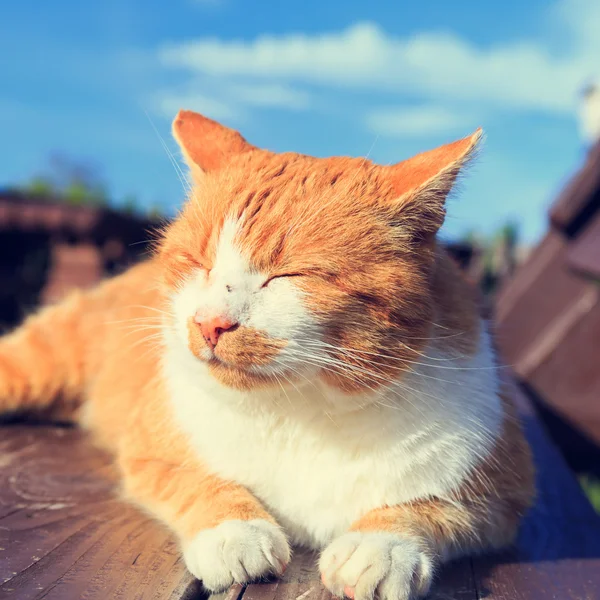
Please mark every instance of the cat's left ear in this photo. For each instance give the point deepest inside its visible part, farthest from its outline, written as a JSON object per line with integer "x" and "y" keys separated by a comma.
{"x": 421, "y": 184}
{"x": 206, "y": 144}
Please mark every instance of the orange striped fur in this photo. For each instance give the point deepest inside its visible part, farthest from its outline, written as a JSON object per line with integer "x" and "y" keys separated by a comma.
{"x": 352, "y": 247}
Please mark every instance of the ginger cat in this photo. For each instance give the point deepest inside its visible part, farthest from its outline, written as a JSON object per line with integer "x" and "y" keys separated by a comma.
{"x": 299, "y": 363}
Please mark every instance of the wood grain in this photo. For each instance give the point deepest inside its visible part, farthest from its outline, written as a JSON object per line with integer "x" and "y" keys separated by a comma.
{"x": 557, "y": 554}
{"x": 64, "y": 534}
{"x": 535, "y": 309}
{"x": 584, "y": 254}
{"x": 580, "y": 198}
{"x": 568, "y": 380}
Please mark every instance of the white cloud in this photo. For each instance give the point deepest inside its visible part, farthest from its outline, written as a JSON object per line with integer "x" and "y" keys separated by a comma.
{"x": 416, "y": 121}
{"x": 269, "y": 95}
{"x": 230, "y": 101}
{"x": 519, "y": 75}
{"x": 429, "y": 83}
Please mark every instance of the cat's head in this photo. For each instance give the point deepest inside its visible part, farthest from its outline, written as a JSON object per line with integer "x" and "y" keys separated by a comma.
{"x": 283, "y": 267}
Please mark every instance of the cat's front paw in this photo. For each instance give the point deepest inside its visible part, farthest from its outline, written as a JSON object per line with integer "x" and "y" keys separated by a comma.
{"x": 376, "y": 565}
{"x": 237, "y": 552}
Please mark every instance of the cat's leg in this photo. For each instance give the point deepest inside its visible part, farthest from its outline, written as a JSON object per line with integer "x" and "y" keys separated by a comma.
{"x": 226, "y": 535}
{"x": 392, "y": 552}
{"x": 42, "y": 362}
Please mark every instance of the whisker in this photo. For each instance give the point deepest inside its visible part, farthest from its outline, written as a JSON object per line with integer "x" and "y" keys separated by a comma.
{"x": 158, "y": 310}
{"x": 360, "y": 351}
{"x": 182, "y": 179}
{"x": 423, "y": 364}
{"x": 407, "y": 364}
{"x": 136, "y": 320}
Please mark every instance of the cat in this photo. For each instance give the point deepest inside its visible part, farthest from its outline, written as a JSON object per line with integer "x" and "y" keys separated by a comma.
{"x": 298, "y": 363}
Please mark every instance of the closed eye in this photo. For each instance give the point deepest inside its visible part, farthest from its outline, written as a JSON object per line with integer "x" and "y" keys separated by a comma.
{"x": 266, "y": 283}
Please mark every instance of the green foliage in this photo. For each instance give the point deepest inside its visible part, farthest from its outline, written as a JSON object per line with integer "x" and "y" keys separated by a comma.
{"x": 75, "y": 182}
{"x": 39, "y": 186}
{"x": 155, "y": 212}
{"x": 497, "y": 254}
{"x": 509, "y": 232}
{"x": 79, "y": 193}
{"x": 76, "y": 193}
{"x": 79, "y": 183}
{"x": 471, "y": 237}
{"x": 591, "y": 487}
{"x": 130, "y": 205}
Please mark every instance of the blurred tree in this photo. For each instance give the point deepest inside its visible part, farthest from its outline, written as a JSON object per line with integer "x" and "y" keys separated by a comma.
{"x": 510, "y": 232}
{"x": 155, "y": 212}
{"x": 77, "y": 182}
{"x": 40, "y": 186}
{"x": 497, "y": 252}
{"x": 504, "y": 249}
{"x": 470, "y": 237}
{"x": 79, "y": 193}
{"x": 130, "y": 205}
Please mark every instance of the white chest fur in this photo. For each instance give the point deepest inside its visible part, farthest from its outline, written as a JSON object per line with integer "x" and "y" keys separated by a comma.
{"x": 317, "y": 473}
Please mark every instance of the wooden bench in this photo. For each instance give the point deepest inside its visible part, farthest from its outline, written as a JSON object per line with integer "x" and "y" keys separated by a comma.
{"x": 64, "y": 535}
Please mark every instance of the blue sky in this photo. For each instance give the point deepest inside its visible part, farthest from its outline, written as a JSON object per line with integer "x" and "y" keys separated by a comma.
{"x": 386, "y": 79}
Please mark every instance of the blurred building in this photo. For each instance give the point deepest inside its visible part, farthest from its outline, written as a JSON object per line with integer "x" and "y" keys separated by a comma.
{"x": 548, "y": 318}
{"x": 48, "y": 247}
{"x": 589, "y": 114}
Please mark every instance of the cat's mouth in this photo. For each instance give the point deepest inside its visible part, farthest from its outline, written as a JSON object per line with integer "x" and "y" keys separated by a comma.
{"x": 245, "y": 350}
{"x": 239, "y": 377}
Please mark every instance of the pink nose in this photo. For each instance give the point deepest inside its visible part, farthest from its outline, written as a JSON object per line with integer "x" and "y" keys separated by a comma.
{"x": 213, "y": 327}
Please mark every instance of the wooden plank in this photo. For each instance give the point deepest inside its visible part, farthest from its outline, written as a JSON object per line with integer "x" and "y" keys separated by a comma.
{"x": 580, "y": 197}
{"x": 63, "y": 532}
{"x": 64, "y": 535}
{"x": 518, "y": 285}
{"x": 568, "y": 380}
{"x": 584, "y": 254}
{"x": 537, "y": 307}
{"x": 557, "y": 554}
{"x": 302, "y": 581}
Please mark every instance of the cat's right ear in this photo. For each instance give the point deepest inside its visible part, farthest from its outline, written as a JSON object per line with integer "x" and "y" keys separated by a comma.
{"x": 206, "y": 144}
{"x": 421, "y": 184}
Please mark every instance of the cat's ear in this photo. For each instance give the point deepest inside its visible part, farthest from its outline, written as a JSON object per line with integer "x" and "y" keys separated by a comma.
{"x": 422, "y": 183}
{"x": 206, "y": 144}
